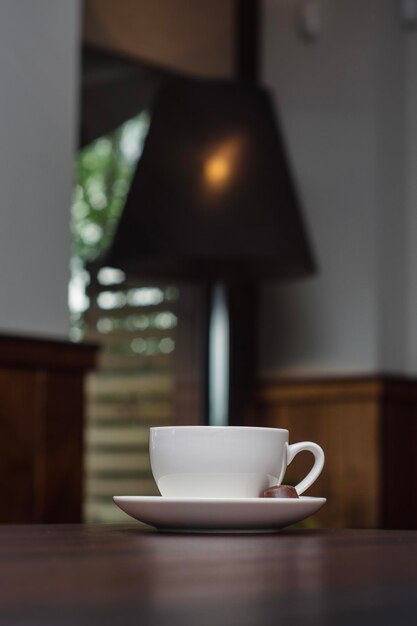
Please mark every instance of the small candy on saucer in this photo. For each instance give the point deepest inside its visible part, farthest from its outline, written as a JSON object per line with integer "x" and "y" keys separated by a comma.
{"x": 280, "y": 491}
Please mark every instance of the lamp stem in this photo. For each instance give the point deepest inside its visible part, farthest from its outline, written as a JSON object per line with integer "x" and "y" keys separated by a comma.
{"x": 218, "y": 356}
{"x": 231, "y": 352}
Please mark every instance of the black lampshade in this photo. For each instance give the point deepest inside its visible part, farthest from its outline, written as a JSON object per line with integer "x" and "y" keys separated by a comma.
{"x": 114, "y": 89}
{"x": 212, "y": 196}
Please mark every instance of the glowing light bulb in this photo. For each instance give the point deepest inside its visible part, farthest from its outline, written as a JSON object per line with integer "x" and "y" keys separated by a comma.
{"x": 220, "y": 166}
{"x": 217, "y": 170}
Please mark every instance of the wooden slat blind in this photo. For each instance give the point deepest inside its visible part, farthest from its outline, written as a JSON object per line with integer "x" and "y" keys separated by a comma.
{"x": 131, "y": 390}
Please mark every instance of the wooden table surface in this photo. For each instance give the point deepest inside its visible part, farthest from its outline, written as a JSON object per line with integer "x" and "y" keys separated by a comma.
{"x": 79, "y": 575}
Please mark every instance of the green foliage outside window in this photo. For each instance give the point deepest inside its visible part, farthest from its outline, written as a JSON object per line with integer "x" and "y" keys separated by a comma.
{"x": 104, "y": 171}
{"x": 103, "y": 174}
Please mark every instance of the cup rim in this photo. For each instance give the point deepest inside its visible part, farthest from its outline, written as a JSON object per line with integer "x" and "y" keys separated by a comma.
{"x": 206, "y": 427}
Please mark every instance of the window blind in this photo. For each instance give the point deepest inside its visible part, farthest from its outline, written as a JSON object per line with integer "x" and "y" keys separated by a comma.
{"x": 131, "y": 390}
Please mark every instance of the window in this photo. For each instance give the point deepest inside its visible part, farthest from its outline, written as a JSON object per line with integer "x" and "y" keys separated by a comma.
{"x": 134, "y": 325}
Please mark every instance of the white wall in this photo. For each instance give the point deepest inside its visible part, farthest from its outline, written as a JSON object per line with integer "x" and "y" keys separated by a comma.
{"x": 411, "y": 199}
{"x": 343, "y": 103}
{"x": 38, "y": 71}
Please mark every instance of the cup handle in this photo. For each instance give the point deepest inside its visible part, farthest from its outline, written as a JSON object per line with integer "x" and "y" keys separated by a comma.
{"x": 314, "y": 473}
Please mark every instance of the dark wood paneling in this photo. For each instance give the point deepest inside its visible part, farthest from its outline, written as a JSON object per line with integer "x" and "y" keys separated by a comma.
{"x": 60, "y": 448}
{"x": 41, "y": 429}
{"x": 368, "y": 429}
{"x": 34, "y": 353}
{"x": 19, "y": 405}
{"x": 399, "y": 457}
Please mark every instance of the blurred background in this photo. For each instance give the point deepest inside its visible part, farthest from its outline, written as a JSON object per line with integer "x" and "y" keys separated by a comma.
{"x": 317, "y": 335}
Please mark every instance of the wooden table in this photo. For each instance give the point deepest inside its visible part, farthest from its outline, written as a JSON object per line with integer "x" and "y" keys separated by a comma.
{"x": 79, "y": 575}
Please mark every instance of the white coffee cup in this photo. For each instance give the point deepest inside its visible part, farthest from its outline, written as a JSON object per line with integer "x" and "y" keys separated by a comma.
{"x": 224, "y": 461}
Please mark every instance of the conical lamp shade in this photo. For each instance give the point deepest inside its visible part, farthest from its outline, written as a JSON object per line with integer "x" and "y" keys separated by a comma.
{"x": 113, "y": 90}
{"x": 212, "y": 196}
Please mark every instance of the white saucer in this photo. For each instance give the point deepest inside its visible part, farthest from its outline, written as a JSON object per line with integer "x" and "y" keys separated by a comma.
{"x": 215, "y": 514}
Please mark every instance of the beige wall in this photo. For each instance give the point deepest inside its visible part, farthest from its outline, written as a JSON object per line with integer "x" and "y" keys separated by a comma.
{"x": 187, "y": 35}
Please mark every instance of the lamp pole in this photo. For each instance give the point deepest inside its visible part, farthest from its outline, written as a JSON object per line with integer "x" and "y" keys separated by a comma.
{"x": 218, "y": 357}
{"x": 231, "y": 351}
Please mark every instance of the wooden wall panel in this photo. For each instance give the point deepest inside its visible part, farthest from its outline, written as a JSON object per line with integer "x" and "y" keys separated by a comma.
{"x": 18, "y": 396}
{"x": 399, "y": 470}
{"x": 368, "y": 430}
{"x": 60, "y": 448}
{"x": 41, "y": 429}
